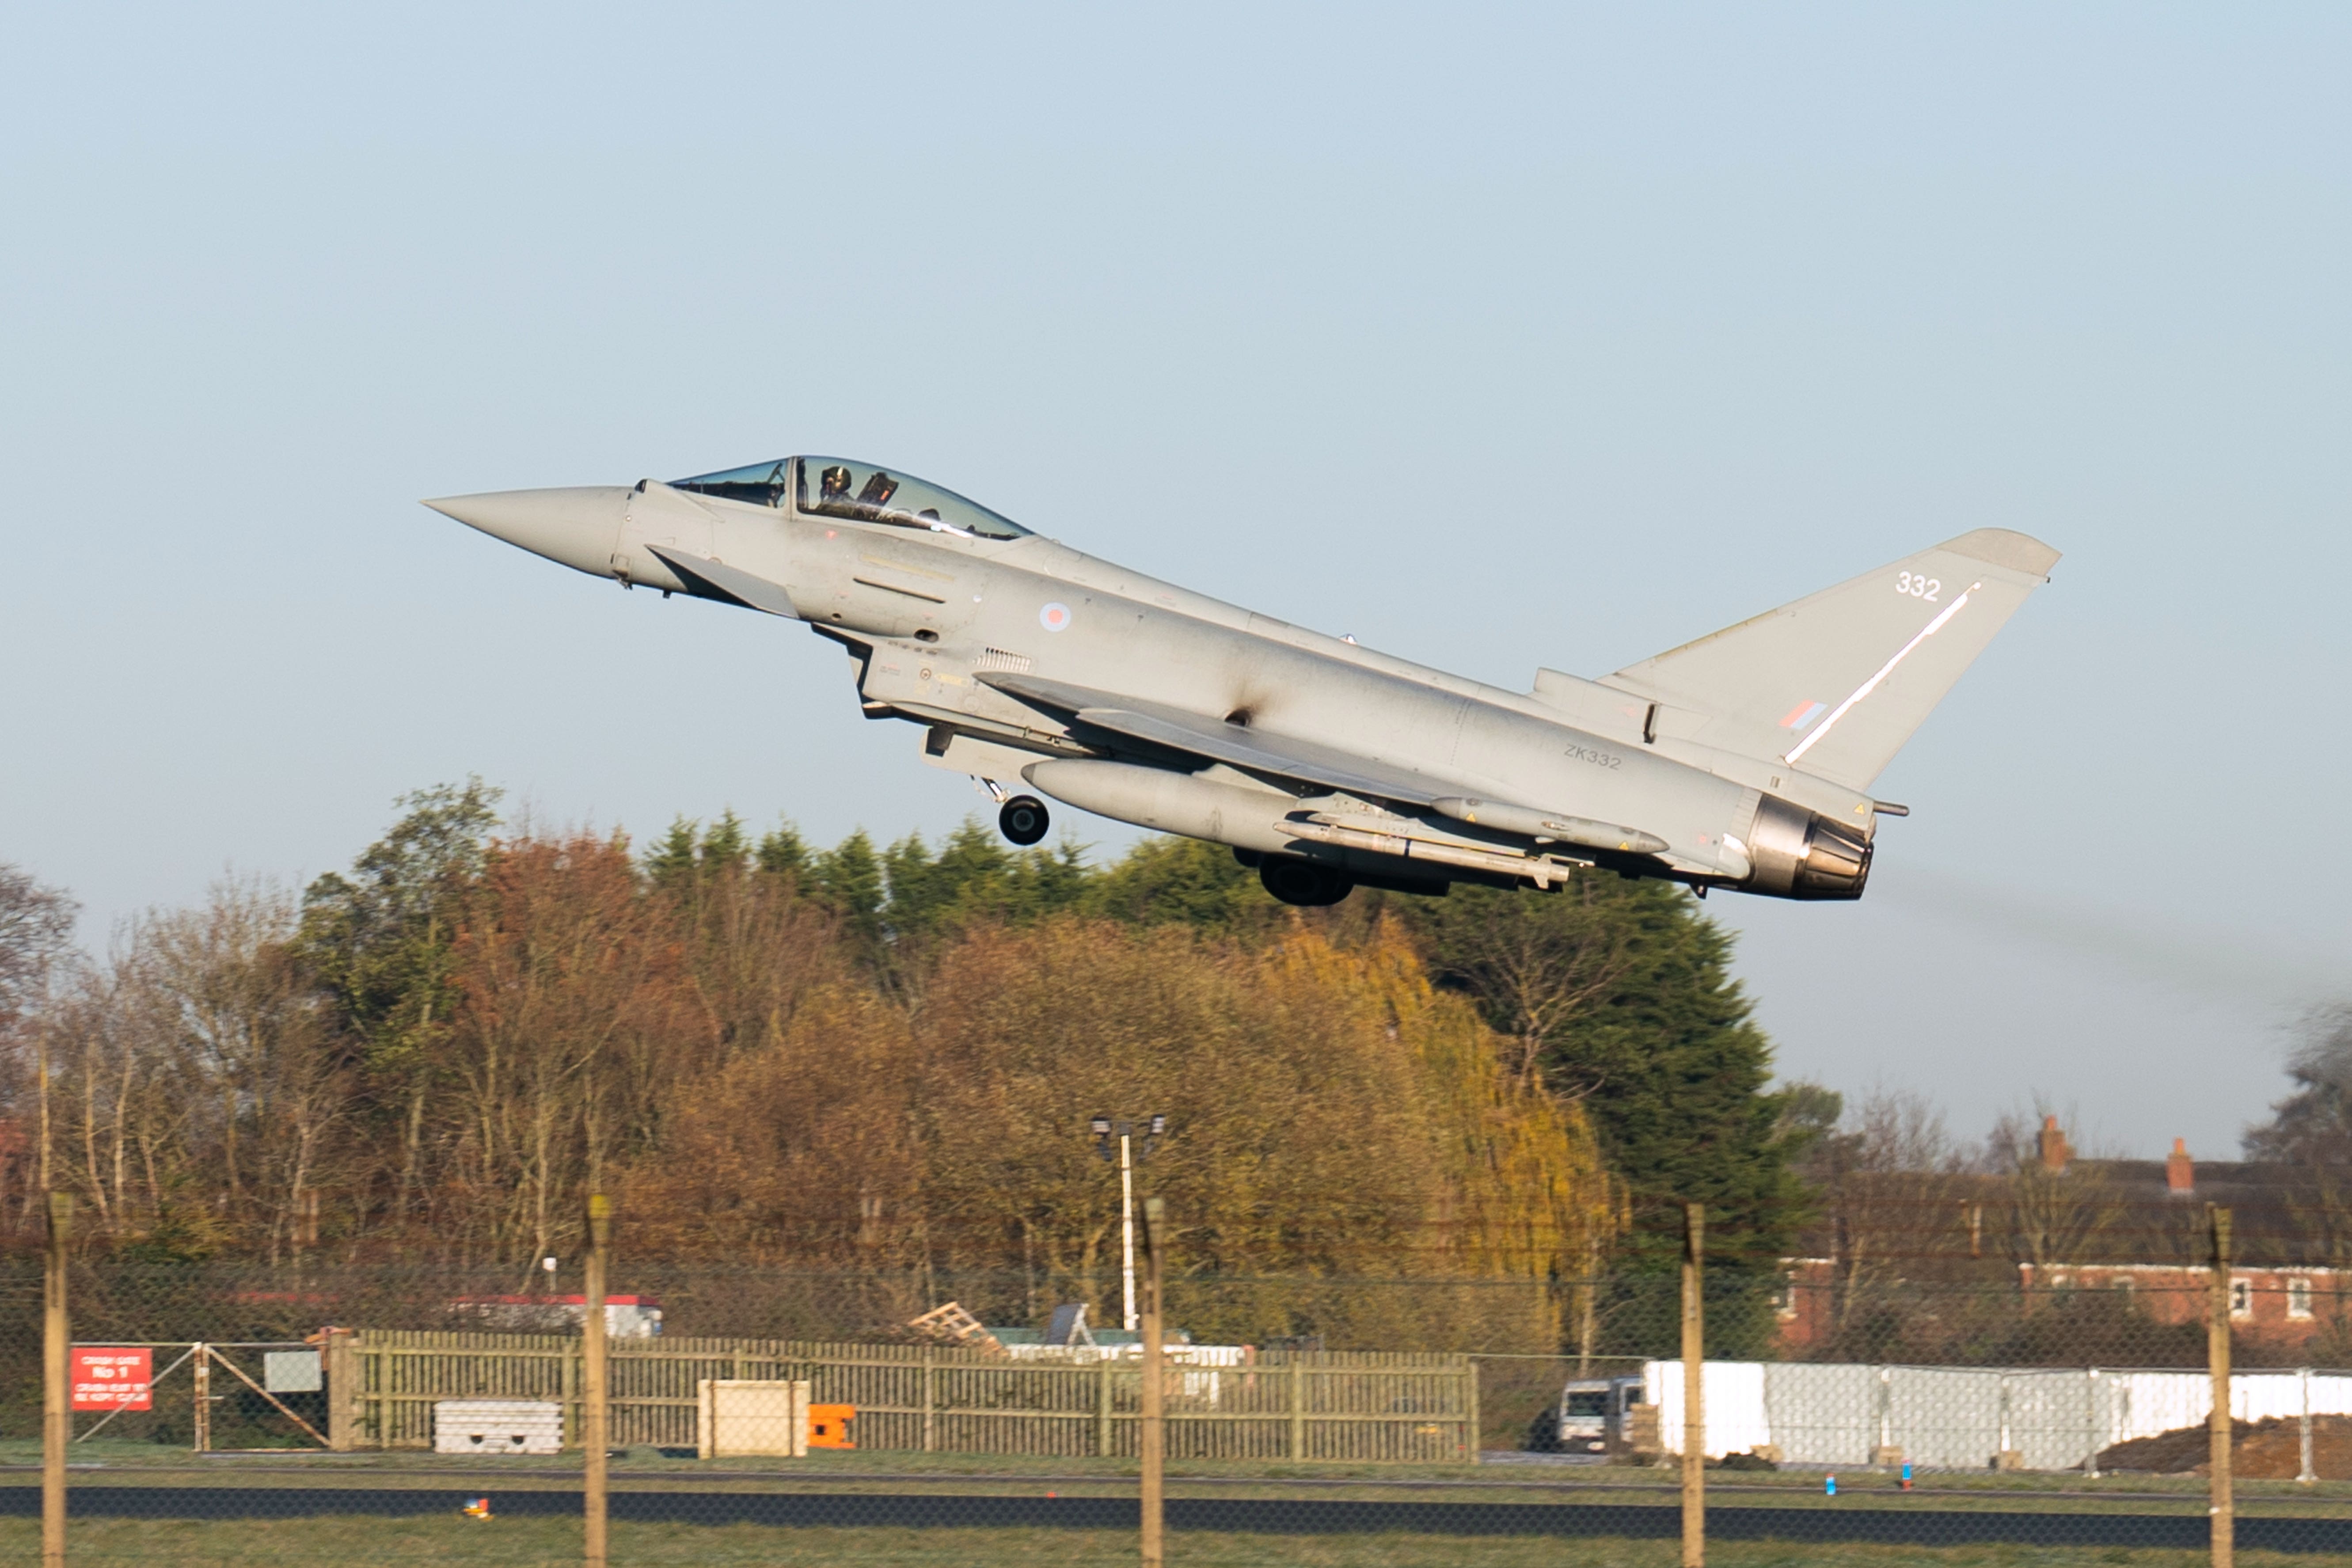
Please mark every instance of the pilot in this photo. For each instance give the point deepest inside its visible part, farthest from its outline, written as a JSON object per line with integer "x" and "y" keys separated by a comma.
{"x": 833, "y": 484}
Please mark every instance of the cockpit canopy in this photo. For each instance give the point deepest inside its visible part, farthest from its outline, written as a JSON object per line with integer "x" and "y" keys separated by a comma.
{"x": 839, "y": 486}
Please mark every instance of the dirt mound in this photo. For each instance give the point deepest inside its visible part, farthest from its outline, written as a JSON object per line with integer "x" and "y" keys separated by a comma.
{"x": 2262, "y": 1450}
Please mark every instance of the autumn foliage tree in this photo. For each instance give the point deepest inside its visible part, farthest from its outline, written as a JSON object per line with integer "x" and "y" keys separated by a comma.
{"x": 1333, "y": 1117}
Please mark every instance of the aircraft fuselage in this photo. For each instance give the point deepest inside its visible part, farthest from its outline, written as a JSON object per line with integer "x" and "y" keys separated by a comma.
{"x": 1139, "y": 700}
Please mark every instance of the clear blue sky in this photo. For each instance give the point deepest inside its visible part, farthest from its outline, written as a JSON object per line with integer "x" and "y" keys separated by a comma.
{"x": 1492, "y": 336}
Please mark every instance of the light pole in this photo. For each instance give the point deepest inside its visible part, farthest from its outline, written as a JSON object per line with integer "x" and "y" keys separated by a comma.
{"x": 1128, "y": 1156}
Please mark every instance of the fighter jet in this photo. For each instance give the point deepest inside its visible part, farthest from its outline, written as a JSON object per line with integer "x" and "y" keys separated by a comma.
{"x": 1743, "y": 759}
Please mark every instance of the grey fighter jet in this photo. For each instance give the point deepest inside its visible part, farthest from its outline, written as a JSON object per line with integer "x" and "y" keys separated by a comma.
{"x": 1743, "y": 759}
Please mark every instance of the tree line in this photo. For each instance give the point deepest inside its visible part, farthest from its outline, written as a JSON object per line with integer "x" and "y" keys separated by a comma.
{"x": 869, "y": 1056}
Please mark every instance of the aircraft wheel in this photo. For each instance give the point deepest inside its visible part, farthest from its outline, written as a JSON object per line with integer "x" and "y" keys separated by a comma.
{"x": 1024, "y": 819}
{"x": 1303, "y": 881}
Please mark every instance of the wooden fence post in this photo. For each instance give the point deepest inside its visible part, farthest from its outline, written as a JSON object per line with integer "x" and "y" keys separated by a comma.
{"x": 931, "y": 1405}
{"x": 2217, "y": 1352}
{"x": 595, "y": 1425}
{"x": 374, "y": 1385}
{"x": 342, "y": 1368}
{"x": 1693, "y": 1388}
{"x": 1298, "y": 1405}
{"x": 568, "y": 1377}
{"x": 1154, "y": 1435}
{"x": 57, "y": 1404}
{"x": 2303, "y": 1472}
{"x": 1476, "y": 1422}
{"x": 200, "y": 1375}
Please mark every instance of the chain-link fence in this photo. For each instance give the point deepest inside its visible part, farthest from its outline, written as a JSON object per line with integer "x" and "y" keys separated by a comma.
{"x": 388, "y": 1414}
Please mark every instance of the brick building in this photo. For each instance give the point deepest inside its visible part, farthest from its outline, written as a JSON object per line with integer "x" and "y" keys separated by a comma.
{"x": 2060, "y": 1231}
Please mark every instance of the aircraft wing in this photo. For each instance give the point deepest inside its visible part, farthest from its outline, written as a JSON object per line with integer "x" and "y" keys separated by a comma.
{"x": 1253, "y": 751}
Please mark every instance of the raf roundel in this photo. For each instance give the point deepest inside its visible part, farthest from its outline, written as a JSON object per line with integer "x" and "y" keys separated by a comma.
{"x": 1054, "y": 617}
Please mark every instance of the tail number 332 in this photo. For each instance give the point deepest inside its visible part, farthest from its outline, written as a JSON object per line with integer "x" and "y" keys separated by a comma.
{"x": 1918, "y": 588}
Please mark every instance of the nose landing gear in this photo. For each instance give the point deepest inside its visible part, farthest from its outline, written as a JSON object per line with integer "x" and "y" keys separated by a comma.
{"x": 1023, "y": 820}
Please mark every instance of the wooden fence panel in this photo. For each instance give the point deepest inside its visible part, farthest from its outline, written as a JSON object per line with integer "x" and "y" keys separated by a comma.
{"x": 1359, "y": 1408}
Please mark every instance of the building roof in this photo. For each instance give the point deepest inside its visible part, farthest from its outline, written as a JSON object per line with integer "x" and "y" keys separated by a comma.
{"x": 2087, "y": 1211}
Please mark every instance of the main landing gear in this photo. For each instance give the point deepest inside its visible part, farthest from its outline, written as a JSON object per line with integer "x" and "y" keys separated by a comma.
{"x": 1303, "y": 881}
{"x": 1023, "y": 820}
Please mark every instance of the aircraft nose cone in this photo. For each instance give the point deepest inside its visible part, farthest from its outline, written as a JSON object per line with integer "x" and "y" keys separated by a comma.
{"x": 579, "y": 525}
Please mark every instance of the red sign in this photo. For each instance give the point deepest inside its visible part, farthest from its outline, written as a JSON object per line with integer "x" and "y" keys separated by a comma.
{"x": 113, "y": 1379}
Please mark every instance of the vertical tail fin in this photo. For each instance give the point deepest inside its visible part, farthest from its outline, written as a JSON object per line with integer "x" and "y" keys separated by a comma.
{"x": 1834, "y": 683}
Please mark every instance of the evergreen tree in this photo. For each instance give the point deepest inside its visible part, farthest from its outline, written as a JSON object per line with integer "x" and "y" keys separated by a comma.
{"x": 974, "y": 876}
{"x": 689, "y": 858}
{"x": 375, "y": 938}
{"x": 1619, "y": 995}
{"x": 973, "y": 864}
{"x": 725, "y": 846}
{"x": 380, "y": 942}
{"x": 782, "y": 851}
{"x": 670, "y": 862}
{"x": 850, "y": 879}
{"x": 2312, "y": 1125}
{"x": 1183, "y": 881}
{"x": 1041, "y": 882}
{"x": 910, "y": 876}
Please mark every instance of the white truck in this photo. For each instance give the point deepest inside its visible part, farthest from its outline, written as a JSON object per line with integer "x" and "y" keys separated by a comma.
{"x": 1591, "y": 1416}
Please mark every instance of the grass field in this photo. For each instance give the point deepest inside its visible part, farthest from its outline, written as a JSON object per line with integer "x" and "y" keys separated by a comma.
{"x": 528, "y": 1542}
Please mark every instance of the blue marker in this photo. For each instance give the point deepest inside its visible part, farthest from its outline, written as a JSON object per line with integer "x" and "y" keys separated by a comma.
{"x": 1829, "y": 1486}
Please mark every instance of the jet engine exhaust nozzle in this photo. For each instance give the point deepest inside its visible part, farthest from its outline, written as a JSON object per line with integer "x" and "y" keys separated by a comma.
{"x": 1801, "y": 854}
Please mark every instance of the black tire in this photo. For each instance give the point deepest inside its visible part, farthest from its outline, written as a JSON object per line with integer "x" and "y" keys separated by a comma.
{"x": 1023, "y": 820}
{"x": 1543, "y": 1433}
{"x": 1303, "y": 882}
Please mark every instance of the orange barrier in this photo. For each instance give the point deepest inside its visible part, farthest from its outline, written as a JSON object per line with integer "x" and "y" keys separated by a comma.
{"x": 829, "y": 1425}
